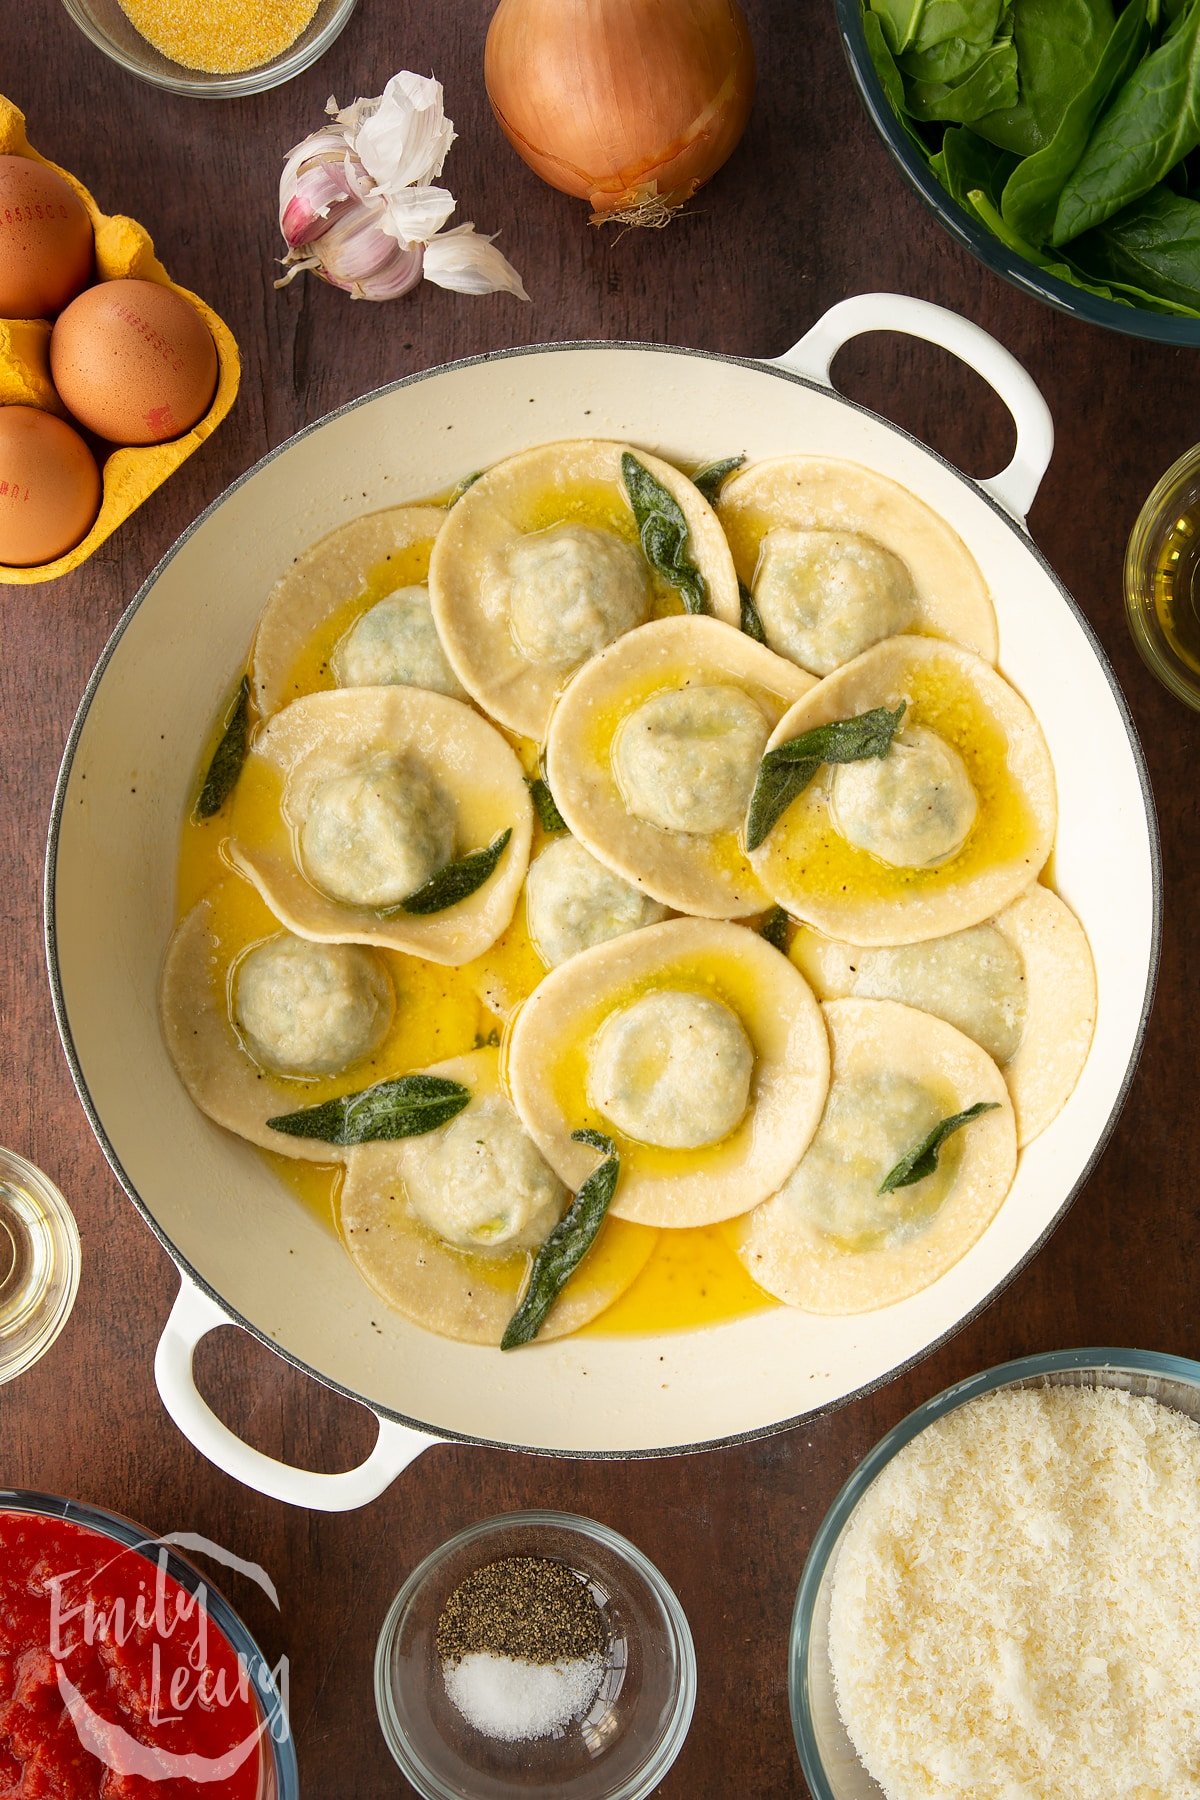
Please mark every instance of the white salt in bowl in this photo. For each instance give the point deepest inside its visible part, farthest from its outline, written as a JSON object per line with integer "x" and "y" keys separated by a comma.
{"x": 636, "y": 1724}
{"x": 827, "y": 1756}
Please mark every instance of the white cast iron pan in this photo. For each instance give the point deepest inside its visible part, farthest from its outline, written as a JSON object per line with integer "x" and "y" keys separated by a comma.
{"x": 247, "y": 1251}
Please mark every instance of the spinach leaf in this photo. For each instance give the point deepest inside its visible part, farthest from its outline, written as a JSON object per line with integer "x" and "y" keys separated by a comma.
{"x": 966, "y": 162}
{"x": 457, "y": 881}
{"x": 407, "y": 1106}
{"x": 1153, "y": 246}
{"x": 568, "y": 1244}
{"x": 664, "y": 533}
{"x": 923, "y": 1159}
{"x": 899, "y": 21}
{"x": 1057, "y": 45}
{"x": 952, "y": 38}
{"x": 786, "y": 771}
{"x": 1032, "y": 191}
{"x": 990, "y": 83}
{"x": 1153, "y": 123}
{"x": 221, "y": 776}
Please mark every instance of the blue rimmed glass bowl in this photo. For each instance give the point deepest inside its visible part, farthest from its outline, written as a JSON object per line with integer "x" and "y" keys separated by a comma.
{"x": 1132, "y": 321}
{"x": 279, "y": 1777}
{"x": 827, "y": 1756}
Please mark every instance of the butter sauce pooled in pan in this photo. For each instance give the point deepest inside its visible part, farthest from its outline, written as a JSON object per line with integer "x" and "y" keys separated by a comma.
{"x": 426, "y": 952}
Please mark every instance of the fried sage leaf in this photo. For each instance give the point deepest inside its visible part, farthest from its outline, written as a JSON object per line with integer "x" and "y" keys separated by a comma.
{"x": 228, "y": 757}
{"x": 407, "y": 1106}
{"x": 713, "y": 476}
{"x": 567, "y": 1245}
{"x": 545, "y": 805}
{"x": 923, "y": 1160}
{"x": 468, "y": 481}
{"x": 664, "y": 534}
{"x": 457, "y": 881}
{"x": 786, "y": 771}
{"x": 752, "y": 624}
{"x": 775, "y": 928}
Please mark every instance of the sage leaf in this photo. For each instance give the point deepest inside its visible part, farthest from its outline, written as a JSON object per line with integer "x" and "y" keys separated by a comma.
{"x": 457, "y": 881}
{"x": 776, "y": 928}
{"x": 407, "y": 1106}
{"x": 229, "y": 756}
{"x": 923, "y": 1160}
{"x": 713, "y": 476}
{"x": 1031, "y": 193}
{"x": 563, "y": 1251}
{"x": 468, "y": 481}
{"x": 752, "y": 623}
{"x": 786, "y": 771}
{"x": 664, "y": 534}
{"x": 1153, "y": 123}
{"x": 545, "y": 805}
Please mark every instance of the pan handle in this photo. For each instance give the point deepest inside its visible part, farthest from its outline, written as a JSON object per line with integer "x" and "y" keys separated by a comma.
{"x": 1015, "y": 486}
{"x": 193, "y": 1316}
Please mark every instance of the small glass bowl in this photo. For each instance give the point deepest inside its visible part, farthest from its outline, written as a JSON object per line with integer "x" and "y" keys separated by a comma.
{"x": 1174, "y": 499}
{"x": 39, "y": 1264}
{"x": 827, "y": 1756}
{"x": 110, "y": 30}
{"x": 279, "y": 1776}
{"x": 620, "y": 1750}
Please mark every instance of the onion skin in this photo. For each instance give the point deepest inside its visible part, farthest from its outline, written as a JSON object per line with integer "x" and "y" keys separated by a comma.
{"x": 629, "y": 104}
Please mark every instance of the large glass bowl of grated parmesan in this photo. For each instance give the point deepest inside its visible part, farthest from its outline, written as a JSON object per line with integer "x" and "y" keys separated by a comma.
{"x": 217, "y": 49}
{"x": 1004, "y": 1598}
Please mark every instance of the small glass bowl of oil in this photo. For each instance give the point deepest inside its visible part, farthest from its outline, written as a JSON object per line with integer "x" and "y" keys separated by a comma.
{"x": 39, "y": 1264}
{"x": 1162, "y": 580}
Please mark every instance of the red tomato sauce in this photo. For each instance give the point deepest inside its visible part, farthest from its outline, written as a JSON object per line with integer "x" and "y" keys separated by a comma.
{"x": 115, "y": 1684}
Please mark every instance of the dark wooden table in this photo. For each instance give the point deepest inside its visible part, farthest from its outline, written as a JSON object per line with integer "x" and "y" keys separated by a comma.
{"x": 810, "y": 209}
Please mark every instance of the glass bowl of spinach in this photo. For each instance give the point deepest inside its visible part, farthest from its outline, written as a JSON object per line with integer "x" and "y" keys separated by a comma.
{"x": 1058, "y": 140}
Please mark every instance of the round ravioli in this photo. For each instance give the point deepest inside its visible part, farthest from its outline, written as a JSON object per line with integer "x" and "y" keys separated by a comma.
{"x": 838, "y": 558}
{"x": 572, "y": 902}
{"x": 539, "y": 566}
{"x": 653, "y": 752}
{"x": 948, "y": 827}
{"x": 829, "y": 1241}
{"x": 273, "y": 1029}
{"x": 370, "y": 794}
{"x": 695, "y": 1046}
{"x": 444, "y": 1226}
{"x": 331, "y": 592}
{"x": 1023, "y": 985}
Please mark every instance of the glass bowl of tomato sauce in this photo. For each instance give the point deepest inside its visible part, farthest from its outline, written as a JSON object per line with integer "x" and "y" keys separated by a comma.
{"x": 124, "y": 1674}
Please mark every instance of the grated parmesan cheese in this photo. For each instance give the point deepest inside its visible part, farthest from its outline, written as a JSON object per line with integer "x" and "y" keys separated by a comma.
{"x": 1015, "y": 1607}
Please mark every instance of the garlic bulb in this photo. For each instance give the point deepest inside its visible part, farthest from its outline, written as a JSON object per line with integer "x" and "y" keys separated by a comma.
{"x": 357, "y": 204}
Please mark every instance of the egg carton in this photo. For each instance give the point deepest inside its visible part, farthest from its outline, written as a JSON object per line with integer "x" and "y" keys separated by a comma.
{"x": 123, "y": 249}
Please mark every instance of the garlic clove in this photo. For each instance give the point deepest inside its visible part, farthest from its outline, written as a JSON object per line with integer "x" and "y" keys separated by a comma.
{"x": 468, "y": 262}
{"x": 413, "y": 215}
{"x": 404, "y": 137}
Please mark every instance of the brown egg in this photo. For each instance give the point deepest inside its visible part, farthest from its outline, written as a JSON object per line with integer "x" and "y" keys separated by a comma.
{"x": 134, "y": 362}
{"x": 46, "y": 240}
{"x": 49, "y": 487}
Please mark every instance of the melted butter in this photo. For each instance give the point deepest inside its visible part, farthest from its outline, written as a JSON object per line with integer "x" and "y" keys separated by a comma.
{"x": 692, "y": 1277}
{"x": 745, "y": 530}
{"x": 806, "y": 853}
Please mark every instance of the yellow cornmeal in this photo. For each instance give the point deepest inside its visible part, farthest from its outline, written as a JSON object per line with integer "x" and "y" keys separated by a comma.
{"x": 693, "y": 1278}
{"x": 220, "y": 37}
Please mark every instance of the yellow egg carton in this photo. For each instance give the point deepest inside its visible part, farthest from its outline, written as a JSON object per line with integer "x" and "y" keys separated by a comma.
{"x": 123, "y": 249}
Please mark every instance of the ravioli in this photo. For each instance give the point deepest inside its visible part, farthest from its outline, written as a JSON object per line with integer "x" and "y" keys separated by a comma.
{"x": 652, "y": 754}
{"x": 838, "y": 558}
{"x": 539, "y": 567}
{"x": 1022, "y": 985}
{"x": 333, "y": 587}
{"x": 225, "y": 1070}
{"x": 572, "y": 902}
{"x": 443, "y": 1226}
{"x": 945, "y": 830}
{"x": 695, "y": 1046}
{"x": 376, "y": 790}
{"x": 829, "y": 1241}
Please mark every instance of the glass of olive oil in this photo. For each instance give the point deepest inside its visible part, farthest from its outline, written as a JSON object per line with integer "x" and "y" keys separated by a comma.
{"x": 39, "y": 1264}
{"x": 1162, "y": 579}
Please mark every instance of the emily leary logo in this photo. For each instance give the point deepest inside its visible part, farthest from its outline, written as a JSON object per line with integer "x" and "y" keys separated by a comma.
{"x": 176, "y": 1686}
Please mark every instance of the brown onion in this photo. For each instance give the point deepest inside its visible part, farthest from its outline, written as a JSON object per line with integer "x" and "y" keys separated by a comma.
{"x": 630, "y": 104}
